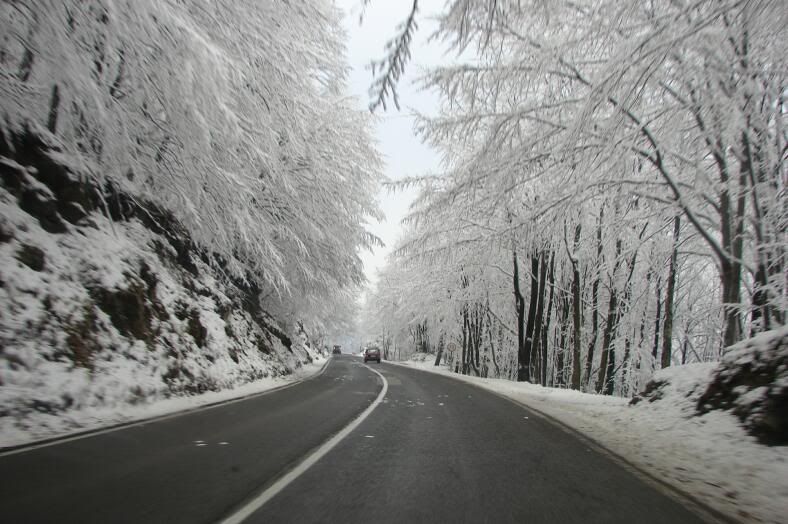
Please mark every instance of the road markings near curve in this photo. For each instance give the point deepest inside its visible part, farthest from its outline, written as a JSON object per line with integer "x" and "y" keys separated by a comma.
{"x": 270, "y": 492}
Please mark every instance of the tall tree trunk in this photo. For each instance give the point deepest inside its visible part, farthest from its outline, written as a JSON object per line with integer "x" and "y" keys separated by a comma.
{"x": 732, "y": 239}
{"x": 562, "y": 336}
{"x": 523, "y": 356}
{"x": 684, "y": 348}
{"x": 657, "y": 322}
{"x": 595, "y": 301}
{"x": 667, "y": 333}
{"x": 465, "y": 339}
{"x": 531, "y": 325}
{"x": 492, "y": 344}
{"x": 479, "y": 330}
{"x": 576, "y": 315}
{"x": 474, "y": 340}
{"x": 537, "y": 334}
{"x": 605, "y": 379}
{"x": 546, "y": 327}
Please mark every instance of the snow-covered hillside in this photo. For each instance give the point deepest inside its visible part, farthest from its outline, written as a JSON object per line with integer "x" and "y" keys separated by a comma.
{"x": 184, "y": 195}
{"x": 105, "y": 303}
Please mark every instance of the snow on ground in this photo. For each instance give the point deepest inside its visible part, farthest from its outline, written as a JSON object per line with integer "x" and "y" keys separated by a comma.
{"x": 96, "y": 418}
{"x": 105, "y": 320}
{"x": 709, "y": 457}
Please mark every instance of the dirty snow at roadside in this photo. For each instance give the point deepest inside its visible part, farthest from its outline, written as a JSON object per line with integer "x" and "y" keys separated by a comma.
{"x": 710, "y": 457}
{"x": 96, "y": 418}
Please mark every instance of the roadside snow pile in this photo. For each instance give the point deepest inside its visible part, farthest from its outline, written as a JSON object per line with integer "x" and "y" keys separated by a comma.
{"x": 426, "y": 358}
{"x": 99, "y": 313}
{"x": 752, "y": 382}
{"x": 709, "y": 456}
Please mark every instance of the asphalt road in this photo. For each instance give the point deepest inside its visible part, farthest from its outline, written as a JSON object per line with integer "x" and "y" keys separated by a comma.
{"x": 435, "y": 450}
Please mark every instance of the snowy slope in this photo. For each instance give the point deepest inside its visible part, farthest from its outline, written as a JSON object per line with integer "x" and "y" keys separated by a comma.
{"x": 101, "y": 318}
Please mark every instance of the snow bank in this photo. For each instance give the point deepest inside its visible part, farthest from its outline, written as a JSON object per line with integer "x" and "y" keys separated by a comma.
{"x": 710, "y": 456}
{"x": 424, "y": 358}
{"x": 108, "y": 313}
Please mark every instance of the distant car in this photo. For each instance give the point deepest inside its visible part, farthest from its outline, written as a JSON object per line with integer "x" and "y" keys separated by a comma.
{"x": 372, "y": 354}
{"x": 337, "y": 350}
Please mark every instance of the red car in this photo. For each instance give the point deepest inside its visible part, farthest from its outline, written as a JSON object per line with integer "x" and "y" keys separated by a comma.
{"x": 372, "y": 354}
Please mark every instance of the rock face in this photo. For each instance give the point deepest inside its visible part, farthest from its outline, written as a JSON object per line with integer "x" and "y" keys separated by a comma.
{"x": 106, "y": 301}
{"x": 752, "y": 382}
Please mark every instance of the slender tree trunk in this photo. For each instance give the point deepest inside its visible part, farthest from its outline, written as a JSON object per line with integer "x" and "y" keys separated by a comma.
{"x": 667, "y": 333}
{"x": 684, "y": 350}
{"x": 732, "y": 279}
{"x": 492, "y": 343}
{"x": 576, "y": 316}
{"x": 730, "y": 276}
{"x": 657, "y": 322}
{"x": 538, "y": 327}
{"x": 605, "y": 379}
{"x": 522, "y": 355}
{"x": 531, "y": 324}
{"x": 546, "y": 327}
{"x": 562, "y": 336}
{"x": 595, "y": 302}
{"x": 479, "y": 329}
{"x": 464, "y": 339}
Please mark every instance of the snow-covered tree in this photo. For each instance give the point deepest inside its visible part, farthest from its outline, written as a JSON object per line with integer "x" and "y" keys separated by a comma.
{"x": 221, "y": 112}
{"x": 618, "y": 153}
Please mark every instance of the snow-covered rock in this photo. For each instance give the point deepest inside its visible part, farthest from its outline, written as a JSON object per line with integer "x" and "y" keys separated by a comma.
{"x": 752, "y": 382}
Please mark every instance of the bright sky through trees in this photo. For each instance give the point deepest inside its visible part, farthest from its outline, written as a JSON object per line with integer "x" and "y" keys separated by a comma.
{"x": 403, "y": 151}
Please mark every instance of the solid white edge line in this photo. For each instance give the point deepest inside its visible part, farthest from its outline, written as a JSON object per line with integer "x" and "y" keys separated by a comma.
{"x": 256, "y": 503}
{"x": 54, "y": 441}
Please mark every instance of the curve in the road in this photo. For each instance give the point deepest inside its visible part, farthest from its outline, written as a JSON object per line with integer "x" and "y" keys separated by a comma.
{"x": 193, "y": 468}
{"x": 441, "y": 450}
{"x": 267, "y": 494}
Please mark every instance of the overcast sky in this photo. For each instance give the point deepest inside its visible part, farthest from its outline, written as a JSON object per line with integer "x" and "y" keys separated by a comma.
{"x": 403, "y": 151}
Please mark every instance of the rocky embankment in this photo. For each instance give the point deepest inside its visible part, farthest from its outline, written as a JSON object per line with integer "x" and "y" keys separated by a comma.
{"x": 106, "y": 302}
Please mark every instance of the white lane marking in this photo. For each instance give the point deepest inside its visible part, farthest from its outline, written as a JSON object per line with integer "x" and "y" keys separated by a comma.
{"x": 256, "y": 503}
